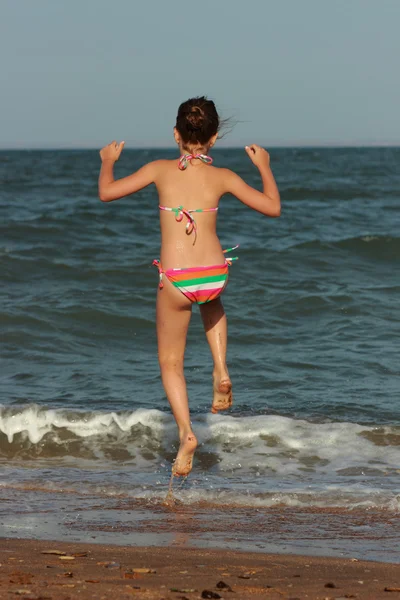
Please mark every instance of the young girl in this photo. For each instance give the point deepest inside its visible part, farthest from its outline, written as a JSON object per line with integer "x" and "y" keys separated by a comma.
{"x": 192, "y": 266}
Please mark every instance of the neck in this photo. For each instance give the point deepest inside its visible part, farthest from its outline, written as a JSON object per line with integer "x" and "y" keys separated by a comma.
{"x": 194, "y": 150}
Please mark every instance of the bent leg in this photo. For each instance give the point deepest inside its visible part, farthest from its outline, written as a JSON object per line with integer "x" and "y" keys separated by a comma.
{"x": 216, "y": 328}
{"x": 173, "y": 316}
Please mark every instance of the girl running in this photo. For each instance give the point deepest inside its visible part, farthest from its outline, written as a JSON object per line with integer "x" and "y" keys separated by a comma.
{"x": 193, "y": 267}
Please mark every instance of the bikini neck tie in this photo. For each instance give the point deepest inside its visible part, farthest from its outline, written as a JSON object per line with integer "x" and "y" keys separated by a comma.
{"x": 186, "y": 158}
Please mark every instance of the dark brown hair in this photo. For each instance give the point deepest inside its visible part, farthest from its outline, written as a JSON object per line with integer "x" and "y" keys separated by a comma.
{"x": 197, "y": 121}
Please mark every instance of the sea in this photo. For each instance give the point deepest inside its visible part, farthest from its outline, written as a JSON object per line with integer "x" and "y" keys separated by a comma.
{"x": 308, "y": 458}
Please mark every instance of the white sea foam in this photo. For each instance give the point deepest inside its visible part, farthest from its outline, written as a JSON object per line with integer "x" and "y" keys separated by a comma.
{"x": 35, "y": 422}
{"x": 258, "y": 461}
{"x": 263, "y": 445}
{"x": 147, "y": 495}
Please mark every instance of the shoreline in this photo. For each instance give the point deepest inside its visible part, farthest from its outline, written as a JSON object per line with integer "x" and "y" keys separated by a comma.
{"x": 88, "y": 570}
{"x": 364, "y": 533}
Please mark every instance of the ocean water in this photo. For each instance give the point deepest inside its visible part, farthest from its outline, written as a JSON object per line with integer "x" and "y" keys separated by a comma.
{"x": 313, "y": 351}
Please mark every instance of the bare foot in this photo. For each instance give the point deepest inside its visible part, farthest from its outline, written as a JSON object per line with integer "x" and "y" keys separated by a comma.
{"x": 184, "y": 459}
{"x": 222, "y": 395}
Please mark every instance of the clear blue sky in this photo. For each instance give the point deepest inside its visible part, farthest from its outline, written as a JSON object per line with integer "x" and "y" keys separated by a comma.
{"x": 79, "y": 73}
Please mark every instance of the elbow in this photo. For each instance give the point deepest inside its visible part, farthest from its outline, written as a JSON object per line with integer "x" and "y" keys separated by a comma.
{"x": 103, "y": 197}
{"x": 277, "y": 211}
{"x": 274, "y": 211}
{"x": 278, "y": 207}
{"x": 273, "y": 207}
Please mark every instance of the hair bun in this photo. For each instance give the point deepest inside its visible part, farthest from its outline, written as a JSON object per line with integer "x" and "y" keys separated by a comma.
{"x": 197, "y": 122}
{"x": 195, "y": 119}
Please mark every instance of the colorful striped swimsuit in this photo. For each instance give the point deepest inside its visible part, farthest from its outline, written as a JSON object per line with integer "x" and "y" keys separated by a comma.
{"x": 198, "y": 284}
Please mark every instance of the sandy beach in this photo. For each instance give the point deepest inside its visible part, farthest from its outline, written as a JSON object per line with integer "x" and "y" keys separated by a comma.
{"x": 43, "y": 570}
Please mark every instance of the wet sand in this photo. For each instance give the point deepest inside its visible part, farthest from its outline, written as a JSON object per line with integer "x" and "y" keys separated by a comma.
{"x": 105, "y": 571}
{"x": 360, "y": 533}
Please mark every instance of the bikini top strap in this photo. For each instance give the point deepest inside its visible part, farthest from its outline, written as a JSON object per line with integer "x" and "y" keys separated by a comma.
{"x": 186, "y": 158}
{"x": 181, "y": 212}
{"x": 179, "y": 209}
{"x": 200, "y": 210}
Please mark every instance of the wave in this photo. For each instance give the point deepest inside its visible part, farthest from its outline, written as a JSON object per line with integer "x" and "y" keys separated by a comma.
{"x": 200, "y": 497}
{"x": 256, "y": 445}
{"x": 324, "y": 192}
{"x": 374, "y": 246}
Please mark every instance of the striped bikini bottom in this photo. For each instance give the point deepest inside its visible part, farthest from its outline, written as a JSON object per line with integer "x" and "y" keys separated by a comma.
{"x": 198, "y": 284}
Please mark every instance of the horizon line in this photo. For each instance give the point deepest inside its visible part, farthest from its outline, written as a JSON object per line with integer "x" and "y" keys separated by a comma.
{"x": 231, "y": 147}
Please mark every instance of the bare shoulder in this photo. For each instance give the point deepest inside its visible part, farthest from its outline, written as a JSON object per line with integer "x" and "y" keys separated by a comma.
{"x": 157, "y": 168}
{"x": 224, "y": 172}
{"x": 159, "y": 164}
{"x": 226, "y": 178}
{"x": 163, "y": 164}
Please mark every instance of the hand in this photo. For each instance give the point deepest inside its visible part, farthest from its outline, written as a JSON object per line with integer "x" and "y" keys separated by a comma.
{"x": 112, "y": 151}
{"x": 259, "y": 156}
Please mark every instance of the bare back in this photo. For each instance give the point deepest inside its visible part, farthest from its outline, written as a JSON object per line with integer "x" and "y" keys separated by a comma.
{"x": 199, "y": 186}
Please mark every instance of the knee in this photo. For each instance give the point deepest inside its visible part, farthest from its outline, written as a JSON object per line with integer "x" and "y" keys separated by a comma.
{"x": 170, "y": 362}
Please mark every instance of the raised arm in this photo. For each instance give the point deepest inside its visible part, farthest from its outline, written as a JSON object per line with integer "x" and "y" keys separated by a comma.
{"x": 109, "y": 189}
{"x": 268, "y": 201}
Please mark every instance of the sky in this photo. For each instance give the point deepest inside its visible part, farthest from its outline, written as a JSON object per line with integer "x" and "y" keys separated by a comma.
{"x": 81, "y": 73}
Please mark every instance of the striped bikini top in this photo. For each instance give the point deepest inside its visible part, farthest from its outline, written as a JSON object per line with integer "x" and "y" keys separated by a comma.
{"x": 181, "y": 212}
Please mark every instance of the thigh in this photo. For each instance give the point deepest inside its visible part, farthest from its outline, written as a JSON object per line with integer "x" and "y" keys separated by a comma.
{"x": 173, "y": 316}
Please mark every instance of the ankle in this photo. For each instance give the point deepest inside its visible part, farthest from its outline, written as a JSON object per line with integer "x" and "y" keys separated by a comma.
{"x": 185, "y": 434}
{"x": 184, "y": 431}
{"x": 221, "y": 374}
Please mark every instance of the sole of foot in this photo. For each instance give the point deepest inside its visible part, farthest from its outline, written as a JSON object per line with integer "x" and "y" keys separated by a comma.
{"x": 222, "y": 396}
{"x": 183, "y": 462}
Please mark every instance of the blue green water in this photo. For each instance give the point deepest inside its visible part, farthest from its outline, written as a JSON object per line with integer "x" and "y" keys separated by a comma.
{"x": 312, "y": 306}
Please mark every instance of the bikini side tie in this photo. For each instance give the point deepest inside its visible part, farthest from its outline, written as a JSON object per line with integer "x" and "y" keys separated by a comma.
{"x": 230, "y": 259}
{"x": 186, "y": 158}
{"x": 157, "y": 263}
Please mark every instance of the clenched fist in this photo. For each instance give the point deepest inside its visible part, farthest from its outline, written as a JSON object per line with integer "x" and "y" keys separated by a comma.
{"x": 112, "y": 151}
{"x": 259, "y": 156}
